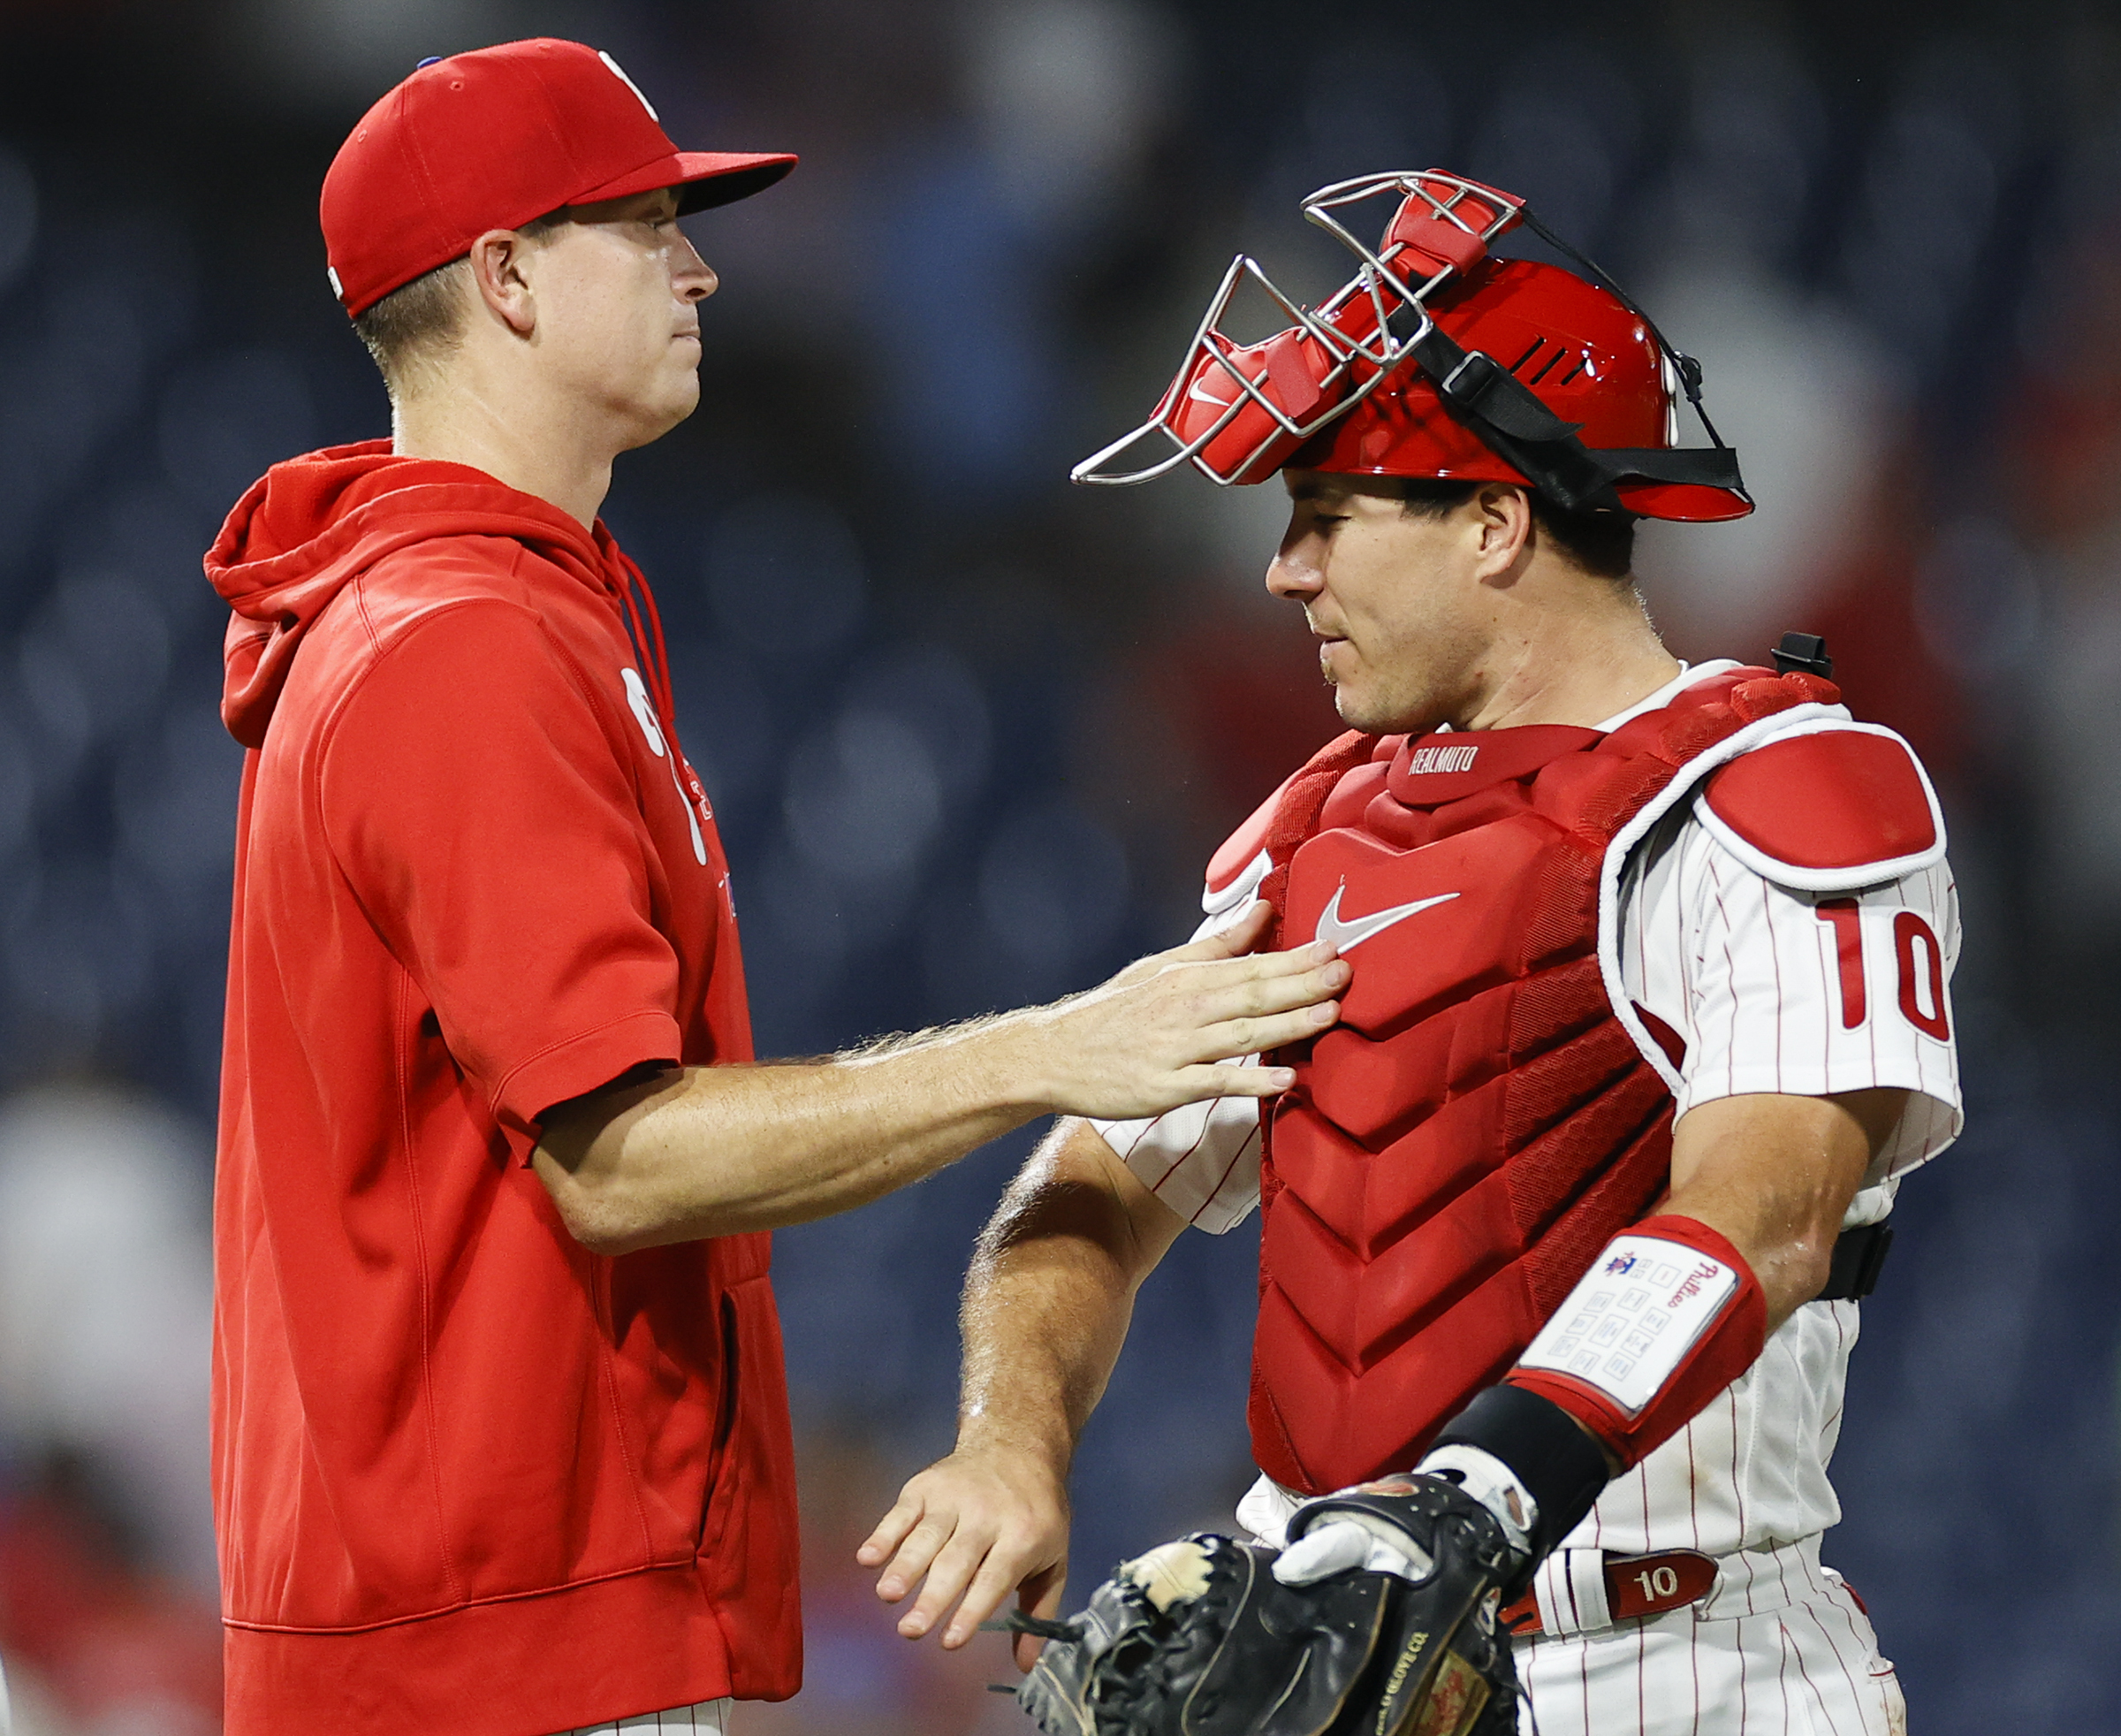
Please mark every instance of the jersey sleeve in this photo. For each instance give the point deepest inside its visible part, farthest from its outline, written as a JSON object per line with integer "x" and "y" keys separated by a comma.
{"x": 487, "y": 824}
{"x": 1202, "y": 1160}
{"x": 1766, "y": 987}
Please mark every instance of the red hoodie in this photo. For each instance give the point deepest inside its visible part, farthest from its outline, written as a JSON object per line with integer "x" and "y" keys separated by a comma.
{"x": 468, "y": 1475}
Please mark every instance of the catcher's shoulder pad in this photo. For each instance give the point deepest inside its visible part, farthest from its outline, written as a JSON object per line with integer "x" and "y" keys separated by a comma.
{"x": 1829, "y": 807}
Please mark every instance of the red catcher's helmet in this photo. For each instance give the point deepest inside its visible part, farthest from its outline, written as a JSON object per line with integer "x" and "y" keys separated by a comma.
{"x": 1439, "y": 360}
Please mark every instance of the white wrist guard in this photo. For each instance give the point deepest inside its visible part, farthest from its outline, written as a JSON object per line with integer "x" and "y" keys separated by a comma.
{"x": 1490, "y": 1482}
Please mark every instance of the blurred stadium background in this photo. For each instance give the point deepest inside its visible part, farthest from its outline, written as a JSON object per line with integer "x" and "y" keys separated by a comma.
{"x": 971, "y": 732}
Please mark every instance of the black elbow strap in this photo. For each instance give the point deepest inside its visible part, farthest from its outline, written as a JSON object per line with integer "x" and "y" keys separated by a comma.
{"x": 1553, "y": 1456}
{"x": 1859, "y": 1257}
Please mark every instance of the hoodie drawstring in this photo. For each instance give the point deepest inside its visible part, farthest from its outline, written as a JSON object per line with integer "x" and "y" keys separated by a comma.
{"x": 646, "y": 635}
{"x": 644, "y": 625}
{"x": 644, "y": 628}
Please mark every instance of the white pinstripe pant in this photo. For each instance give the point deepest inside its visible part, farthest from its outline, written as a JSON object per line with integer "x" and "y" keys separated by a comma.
{"x": 710, "y": 1718}
{"x": 1793, "y": 1657}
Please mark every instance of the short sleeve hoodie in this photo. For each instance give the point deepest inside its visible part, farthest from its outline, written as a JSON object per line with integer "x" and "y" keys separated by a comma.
{"x": 468, "y": 1474}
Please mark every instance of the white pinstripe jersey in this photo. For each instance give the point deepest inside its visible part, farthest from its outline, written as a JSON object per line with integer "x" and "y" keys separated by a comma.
{"x": 1761, "y": 984}
{"x": 710, "y": 1718}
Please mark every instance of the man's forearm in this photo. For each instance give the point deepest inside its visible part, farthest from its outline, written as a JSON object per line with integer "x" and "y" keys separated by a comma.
{"x": 1776, "y": 1174}
{"x": 1049, "y": 1298}
{"x": 714, "y": 1151}
{"x": 1046, "y": 1307}
{"x": 717, "y": 1151}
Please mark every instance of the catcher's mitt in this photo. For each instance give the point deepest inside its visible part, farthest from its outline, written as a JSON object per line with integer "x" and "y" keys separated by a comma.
{"x": 1197, "y": 1638}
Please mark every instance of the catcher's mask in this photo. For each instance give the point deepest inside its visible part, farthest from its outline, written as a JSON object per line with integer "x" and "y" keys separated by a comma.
{"x": 1437, "y": 359}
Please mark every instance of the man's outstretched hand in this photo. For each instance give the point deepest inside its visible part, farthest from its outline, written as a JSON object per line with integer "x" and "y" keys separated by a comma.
{"x": 977, "y": 1526}
{"x": 1170, "y": 1029}
{"x": 991, "y": 1519}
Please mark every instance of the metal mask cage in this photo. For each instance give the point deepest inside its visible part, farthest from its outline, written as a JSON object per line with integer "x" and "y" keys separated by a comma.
{"x": 1363, "y": 329}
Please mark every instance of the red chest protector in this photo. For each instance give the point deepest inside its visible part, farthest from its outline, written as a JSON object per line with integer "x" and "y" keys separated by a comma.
{"x": 1479, "y": 1124}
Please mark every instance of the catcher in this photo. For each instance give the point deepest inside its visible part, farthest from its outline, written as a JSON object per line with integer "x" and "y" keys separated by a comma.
{"x": 1565, "y": 1222}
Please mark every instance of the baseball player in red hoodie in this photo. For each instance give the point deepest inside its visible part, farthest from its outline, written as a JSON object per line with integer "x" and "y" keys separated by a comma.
{"x": 501, "y": 1442}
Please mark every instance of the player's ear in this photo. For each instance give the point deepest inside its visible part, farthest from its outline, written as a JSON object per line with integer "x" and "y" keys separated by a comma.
{"x": 497, "y": 260}
{"x": 1501, "y": 519}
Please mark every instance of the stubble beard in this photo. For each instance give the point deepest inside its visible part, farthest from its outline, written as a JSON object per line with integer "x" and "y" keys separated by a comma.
{"x": 1409, "y": 681}
{"x": 1384, "y": 714}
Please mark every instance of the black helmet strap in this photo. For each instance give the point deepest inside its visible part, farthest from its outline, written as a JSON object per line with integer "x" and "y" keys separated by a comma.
{"x": 1510, "y": 419}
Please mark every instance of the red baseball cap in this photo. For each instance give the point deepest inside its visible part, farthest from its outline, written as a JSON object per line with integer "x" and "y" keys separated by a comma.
{"x": 495, "y": 139}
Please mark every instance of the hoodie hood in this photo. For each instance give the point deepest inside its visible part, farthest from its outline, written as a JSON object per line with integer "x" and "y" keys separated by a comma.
{"x": 310, "y": 525}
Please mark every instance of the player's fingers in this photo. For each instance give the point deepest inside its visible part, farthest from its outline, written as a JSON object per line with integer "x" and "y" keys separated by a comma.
{"x": 1256, "y": 996}
{"x": 1193, "y": 1085}
{"x": 1221, "y": 992}
{"x": 1235, "y": 987}
{"x": 948, "y": 1577}
{"x": 1233, "y": 940}
{"x": 1251, "y": 966}
{"x": 914, "y": 1556}
{"x": 1002, "y": 1570}
{"x": 890, "y": 1532}
{"x": 1240, "y": 937}
{"x": 1039, "y": 1596}
{"x": 1258, "y": 1036}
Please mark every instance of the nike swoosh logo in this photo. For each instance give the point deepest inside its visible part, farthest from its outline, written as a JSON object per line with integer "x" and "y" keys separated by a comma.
{"x": 1196, "y": 392}
{"x": 1342, "y": 935}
